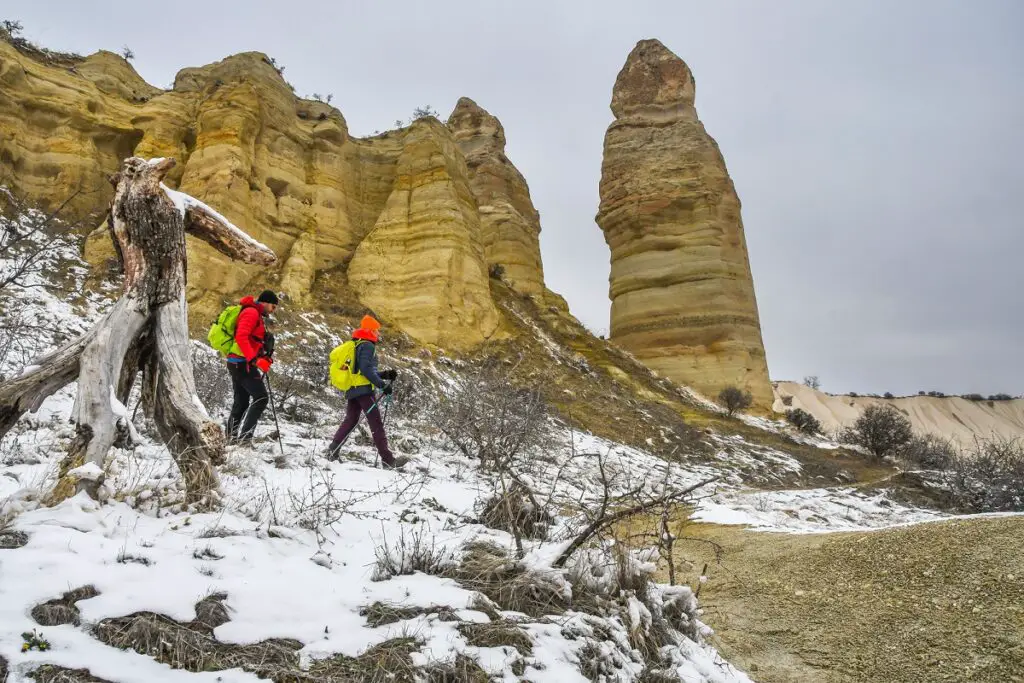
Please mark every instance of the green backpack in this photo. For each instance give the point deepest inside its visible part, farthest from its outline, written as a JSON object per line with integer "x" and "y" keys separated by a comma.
{"x": 222, "y": 332}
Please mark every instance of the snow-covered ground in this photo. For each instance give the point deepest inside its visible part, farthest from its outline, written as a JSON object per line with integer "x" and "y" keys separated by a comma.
{"x": 143, "y": 551}
{"x": 810, "y": 510}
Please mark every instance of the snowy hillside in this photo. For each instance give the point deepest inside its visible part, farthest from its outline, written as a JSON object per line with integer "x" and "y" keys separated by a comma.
{"x": 319, "y": 571}
{"x": 315, "y": 570}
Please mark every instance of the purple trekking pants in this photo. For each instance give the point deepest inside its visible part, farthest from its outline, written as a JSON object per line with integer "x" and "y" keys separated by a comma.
{"x": 359, "y": 405}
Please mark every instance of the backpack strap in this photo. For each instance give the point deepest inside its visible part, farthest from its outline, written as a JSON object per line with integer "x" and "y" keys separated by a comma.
{"x": 355, "y": 355}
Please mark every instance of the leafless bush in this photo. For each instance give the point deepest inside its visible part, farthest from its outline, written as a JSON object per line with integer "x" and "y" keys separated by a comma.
{"x": 929, "y": 452}
{"x": 487, "y": 417}
{"x": 323, "y": 503}
{"x": 622, "y": 496}
{"x": 813, "y": 382}
{"x": 734, "y": 399}
{"x": 32, "y": 241}
{"x": 881, "y": 429}
{"x": 989, "y": 477}
{"x": 413, "y": 552}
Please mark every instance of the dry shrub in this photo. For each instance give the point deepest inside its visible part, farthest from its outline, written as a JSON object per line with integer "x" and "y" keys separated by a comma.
{"x": 881, "y": 429}
{"x": 659, "y": 676}
{"x": 516, "y": 512}
{"x": 488, "y": 569}
{"x": 413, "y": 552}
{"x": 387, "y": 662}
{"x": 803, "y": 421}
{"x": 990, "y": 476}
{"x": 930, "y": 452}
{"x": 487, "y": 417}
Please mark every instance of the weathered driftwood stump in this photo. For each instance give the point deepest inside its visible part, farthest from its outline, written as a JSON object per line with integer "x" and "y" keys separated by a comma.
{"x": 146, "y": 330}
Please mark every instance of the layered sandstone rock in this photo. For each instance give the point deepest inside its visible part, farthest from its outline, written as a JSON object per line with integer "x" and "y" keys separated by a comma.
{"x": 510, "y": 225}
{"x": 681, "y": 288}
{"x": 284, "y": 168}
{"x": 422, "y": 265}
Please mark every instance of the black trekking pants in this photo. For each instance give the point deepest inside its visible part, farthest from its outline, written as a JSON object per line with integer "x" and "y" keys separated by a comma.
{"x": 250, "y": 400}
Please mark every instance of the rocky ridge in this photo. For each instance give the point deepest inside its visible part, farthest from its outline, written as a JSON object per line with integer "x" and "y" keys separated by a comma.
{"x": 287, "y": 169}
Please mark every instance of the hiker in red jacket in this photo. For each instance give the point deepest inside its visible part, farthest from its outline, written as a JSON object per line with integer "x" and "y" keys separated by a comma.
{"x": 246, "y": 367}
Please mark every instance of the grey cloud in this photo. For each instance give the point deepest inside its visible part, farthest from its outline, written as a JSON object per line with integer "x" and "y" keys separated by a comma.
{"x": 876, "y": 146}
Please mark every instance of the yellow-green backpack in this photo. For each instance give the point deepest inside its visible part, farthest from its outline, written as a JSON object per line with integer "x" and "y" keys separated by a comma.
{"x": 343, "y": 358}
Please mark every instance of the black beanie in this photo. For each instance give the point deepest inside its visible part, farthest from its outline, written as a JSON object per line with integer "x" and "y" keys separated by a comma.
{"x": 267, "y": 297}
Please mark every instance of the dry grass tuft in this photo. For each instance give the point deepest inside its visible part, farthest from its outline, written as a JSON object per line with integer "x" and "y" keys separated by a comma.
{"x": 384, "y": 613}
{"x": 498, "y": 634}
{"x": 62, "y": 610}
{"x": 463, "y": 670}
{"x": 387, "y": 662}
{"x": 514, "y": 513}
{"x": 11, "y": 540}
{"x": 49, "y": 673}
{"x": 488, "y": 569}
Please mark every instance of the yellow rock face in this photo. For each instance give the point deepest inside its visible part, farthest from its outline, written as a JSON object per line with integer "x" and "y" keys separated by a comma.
{"x": 282, "y": 168}
{"x": 422, "y": 265}
{"x": 510, "y": 224}
{"x": 682, "y": 293}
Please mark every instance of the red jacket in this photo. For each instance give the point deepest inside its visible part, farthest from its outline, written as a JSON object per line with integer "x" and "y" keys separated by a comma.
{"x": 250, "y": 331}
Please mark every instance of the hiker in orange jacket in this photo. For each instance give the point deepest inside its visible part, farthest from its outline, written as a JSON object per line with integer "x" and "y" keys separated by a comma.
{"x": 250, "y": 393}
{"x": 361, "y": 396}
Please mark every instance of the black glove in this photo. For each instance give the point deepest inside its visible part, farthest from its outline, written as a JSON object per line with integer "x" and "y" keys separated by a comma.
{"x": 389, "y": 375}
{"x": 387, "y": 390}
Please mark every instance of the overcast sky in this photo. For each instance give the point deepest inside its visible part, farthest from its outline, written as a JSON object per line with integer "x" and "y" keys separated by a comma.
{"x": 877, "y": 146}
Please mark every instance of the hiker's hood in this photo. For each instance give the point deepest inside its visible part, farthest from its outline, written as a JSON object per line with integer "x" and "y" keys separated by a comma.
{"x": 366, "y": 335}
{"x": 251, "y": 301}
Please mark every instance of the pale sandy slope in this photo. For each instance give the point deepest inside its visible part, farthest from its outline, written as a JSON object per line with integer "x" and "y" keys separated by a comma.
{"x": 951, "y": 417}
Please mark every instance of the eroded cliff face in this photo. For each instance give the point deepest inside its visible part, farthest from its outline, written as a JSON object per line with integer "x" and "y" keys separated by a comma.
{"x": 509, "y": 222}
{"x": 681, "y": 288}
{"x": 422, "y": 265}
{"x": 397, "y": 214}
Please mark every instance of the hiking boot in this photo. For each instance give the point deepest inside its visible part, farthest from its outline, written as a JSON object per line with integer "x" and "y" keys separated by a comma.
{"x": 396, "y": 464}
{"x": 333, "y": 451}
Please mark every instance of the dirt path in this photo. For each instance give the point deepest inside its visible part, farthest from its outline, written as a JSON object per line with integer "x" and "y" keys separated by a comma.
{"x": 932, "y": 602}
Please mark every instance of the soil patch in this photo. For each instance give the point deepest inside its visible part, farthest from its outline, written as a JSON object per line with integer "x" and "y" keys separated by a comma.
{"x": 941, "y": 601}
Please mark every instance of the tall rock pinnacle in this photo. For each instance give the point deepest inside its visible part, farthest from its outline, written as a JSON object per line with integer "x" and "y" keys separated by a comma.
{"x": 509, "y": 223}
{"x": 681, "y": 288}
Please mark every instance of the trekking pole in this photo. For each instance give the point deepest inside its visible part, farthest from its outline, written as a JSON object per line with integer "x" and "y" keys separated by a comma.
{"x": 273, "y": 410}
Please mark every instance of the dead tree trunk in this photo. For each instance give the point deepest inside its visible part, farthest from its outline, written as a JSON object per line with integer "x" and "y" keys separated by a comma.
{"x": 147, "y": 330}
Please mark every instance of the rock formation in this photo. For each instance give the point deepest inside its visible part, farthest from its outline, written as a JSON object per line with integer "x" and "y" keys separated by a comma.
{"x": 287, "y": 171}
{"x": 422, "y": 265}
{"x": 510, "y": 224}
{"x": 681, "y": 288}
